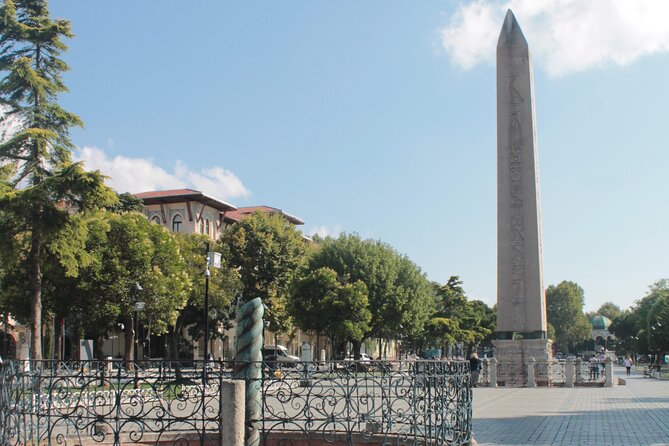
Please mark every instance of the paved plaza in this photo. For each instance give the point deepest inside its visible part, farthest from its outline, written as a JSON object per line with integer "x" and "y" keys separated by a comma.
{"x": 634, "y": 414}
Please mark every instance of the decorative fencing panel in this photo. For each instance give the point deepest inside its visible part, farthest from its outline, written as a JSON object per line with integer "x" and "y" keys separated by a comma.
{"x": 407, "y": 403}
{"x": 49, "y": 402}
{"x": 348, "y": 403}
{"x": 589, "y": 373}
{"x": 551, "y": 373}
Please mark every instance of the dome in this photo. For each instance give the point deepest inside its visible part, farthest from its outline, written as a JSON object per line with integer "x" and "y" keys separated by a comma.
{"x": 600, "y": 322}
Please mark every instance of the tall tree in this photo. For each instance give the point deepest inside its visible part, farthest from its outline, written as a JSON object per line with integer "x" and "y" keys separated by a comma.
{"x": 268, "y": 251}
{"x": 457, "y": 319}
{"x": 610, "y": 310}
{"x": 47, "y": 187}
{"x": 129, "y": 250}
{"x": 400, "y": 297}
{"x": 320, "y": 302}
{"x": 565, "y": 313}
{"x": 224, "y": 284}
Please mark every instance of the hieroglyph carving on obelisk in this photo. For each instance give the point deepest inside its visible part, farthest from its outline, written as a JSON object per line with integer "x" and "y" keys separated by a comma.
{"x": 521, "y": 307}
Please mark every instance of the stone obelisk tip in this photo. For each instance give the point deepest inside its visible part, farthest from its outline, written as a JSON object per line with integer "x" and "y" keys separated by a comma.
{"x": 511, "y": 34}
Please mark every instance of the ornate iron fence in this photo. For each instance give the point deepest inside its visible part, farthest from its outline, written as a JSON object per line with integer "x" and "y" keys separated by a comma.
{"x": 79, "y": 403}
{"x": 51, "y": 402}
{"x": 551, "y": 373}
{"x": 511, "y": 373}
{"x": 407, "y": 403}
{"x": 587, "y": 373}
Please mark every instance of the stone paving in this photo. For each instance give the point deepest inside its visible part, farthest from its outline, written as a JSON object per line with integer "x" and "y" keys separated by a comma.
{"x": 634, "y": 414}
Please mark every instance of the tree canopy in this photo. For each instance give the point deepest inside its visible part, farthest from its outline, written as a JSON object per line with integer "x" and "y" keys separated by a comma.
{"x": 322, "y": 303}
{"x": 399, "y": 296}
{"x": 457, "y": 319}
{"x": 609, "y": 309}
{"x": 268, "y": 251}
{"x": 565, "y": 313}
{"x": 46, "y": 187}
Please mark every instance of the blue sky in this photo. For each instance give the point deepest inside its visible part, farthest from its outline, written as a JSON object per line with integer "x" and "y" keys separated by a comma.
{"x": 379, "y": 118}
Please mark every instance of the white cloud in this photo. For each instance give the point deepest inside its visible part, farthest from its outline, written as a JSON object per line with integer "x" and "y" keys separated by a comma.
{"x": 141, "y": 174}
{"x": 326, "y": 231}
{"x": 564, "y": 35}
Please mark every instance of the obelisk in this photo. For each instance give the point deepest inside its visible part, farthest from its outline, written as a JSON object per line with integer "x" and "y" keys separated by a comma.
{"x": 521, "y": 302}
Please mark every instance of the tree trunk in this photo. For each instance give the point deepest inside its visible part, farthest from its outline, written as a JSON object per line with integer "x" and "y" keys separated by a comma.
{"x": 98, "y": 340}
{"x": 356, "y": 349}
{"x": 36, "y": 296}
{"x": 59, "y": 340}
{"x": 174, "y": 339}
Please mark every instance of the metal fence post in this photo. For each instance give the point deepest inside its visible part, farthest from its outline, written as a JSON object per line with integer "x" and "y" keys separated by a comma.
{"x": 531, "y": 370}
{"x": 569, "y": 373}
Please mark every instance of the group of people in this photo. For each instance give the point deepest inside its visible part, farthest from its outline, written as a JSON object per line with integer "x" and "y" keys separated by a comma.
{"x": 597, "y": 362}
{"x": 597, "y": 366}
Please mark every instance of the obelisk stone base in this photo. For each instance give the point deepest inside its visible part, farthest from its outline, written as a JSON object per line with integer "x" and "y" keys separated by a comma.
{"x": 513, "y": 356}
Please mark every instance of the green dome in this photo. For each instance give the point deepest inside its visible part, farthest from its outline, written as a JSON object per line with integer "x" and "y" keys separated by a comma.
{"x": 600, "y": 322}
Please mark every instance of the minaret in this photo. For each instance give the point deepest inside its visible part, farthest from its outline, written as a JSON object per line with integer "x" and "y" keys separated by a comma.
{"x": 521, "y": 302}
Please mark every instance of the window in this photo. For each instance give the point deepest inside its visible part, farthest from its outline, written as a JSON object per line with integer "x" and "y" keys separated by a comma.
{"x": 156, "y": 219}
{"x": 201, "y": 226}
{"x": 207, "y": 226}
{"x": 176, "y": 223}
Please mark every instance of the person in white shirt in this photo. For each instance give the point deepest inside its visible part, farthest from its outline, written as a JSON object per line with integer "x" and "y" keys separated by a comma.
{"x": 628, "y": 365}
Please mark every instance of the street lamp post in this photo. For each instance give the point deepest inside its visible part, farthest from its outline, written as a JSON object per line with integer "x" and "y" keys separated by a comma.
{"x": 139, "y": 306}
{"x": 213, "y": 260}
{"x": 656, "y": 330}
{"x": 634, "y": 344}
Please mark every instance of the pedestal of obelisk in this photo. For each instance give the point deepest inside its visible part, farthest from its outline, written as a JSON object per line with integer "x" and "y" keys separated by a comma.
{"x": 521, "y": 302}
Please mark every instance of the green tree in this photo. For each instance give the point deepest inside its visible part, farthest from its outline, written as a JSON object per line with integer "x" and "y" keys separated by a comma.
{"x": 658, "y": 321}
{"x": 400, "y": 297}
{"x": 125, "y": 250}
{"x": 457, "y": 319}
{"x": 224, "y": 285}
{"x": 268, "y": 251}
{"x": 323, "y": 304}
{"x": 565, "y": 313}
{"x": 610, "y": 310}
{"x": 47, "y": 188}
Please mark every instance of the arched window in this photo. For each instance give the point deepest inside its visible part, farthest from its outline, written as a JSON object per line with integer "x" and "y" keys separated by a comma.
{"x": 207, "y": 226}
{"x": 201, "y": 226}
{"x": 156, "y": 219}
{"x": 176, "y": 223}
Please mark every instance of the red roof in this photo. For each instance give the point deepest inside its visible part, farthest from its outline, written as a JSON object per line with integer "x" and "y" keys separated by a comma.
{"x": 248, "y": 210}
{"x": 179, "y": 195}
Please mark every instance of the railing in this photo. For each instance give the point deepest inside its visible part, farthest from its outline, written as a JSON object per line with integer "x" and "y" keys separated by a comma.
{"x": 85, "y": 403}
{"x": 512, "y": 373}
{"x": 551, "y": 373}
{"x": 408, "y": 403}
{"x": 589, "y": 373}
{"x": 52, "y": 402}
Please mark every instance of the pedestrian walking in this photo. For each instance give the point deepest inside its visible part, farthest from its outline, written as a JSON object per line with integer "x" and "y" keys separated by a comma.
{"x": 628, "y": 365}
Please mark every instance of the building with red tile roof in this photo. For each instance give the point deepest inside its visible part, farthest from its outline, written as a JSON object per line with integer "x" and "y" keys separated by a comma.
{"x": 235, "y": 216}
{"x": 186, "y": 210}
{"x": 191, "y": 211}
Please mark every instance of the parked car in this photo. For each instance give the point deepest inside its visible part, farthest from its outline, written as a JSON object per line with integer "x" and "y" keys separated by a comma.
{"x": 277, "y": 356}
{"x": 363, "y": 357}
